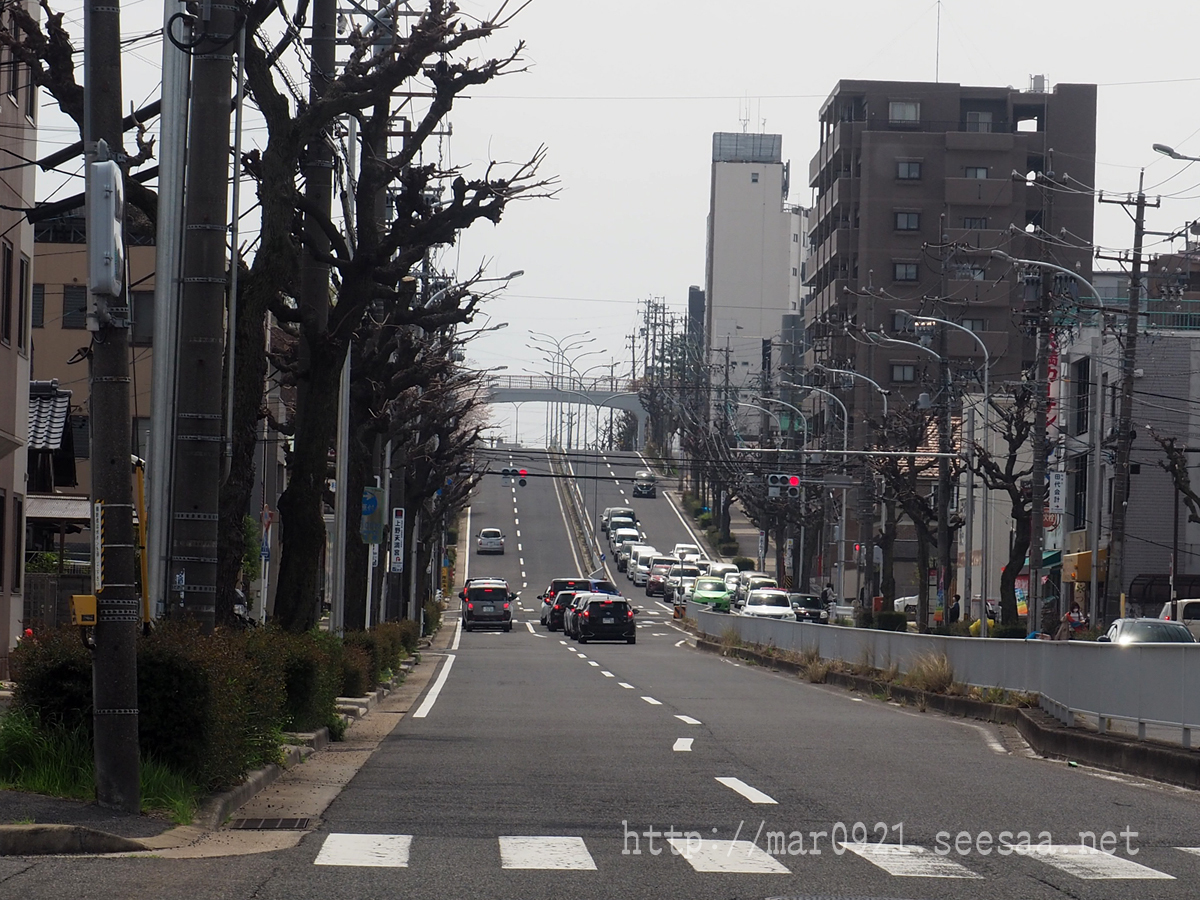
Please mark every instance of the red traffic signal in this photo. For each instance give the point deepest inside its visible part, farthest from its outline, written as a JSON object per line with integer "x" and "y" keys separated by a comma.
{"x": 522, "y": 473}
{"x": 794, "y": 480}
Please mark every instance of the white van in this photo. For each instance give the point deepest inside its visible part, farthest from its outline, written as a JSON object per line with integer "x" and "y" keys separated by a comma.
{"x": 1188, "y": 613}
{"x": 639, "y": 565}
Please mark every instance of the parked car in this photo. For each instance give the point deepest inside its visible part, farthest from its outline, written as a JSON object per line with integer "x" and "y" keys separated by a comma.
{"x": 602, "y": 617}
{"x": 656, "y": 582}
{"x": 809, "y": 608}
{"x": 553, "y": 617}
{"x": 490, "y": 540}
{"x": 712, "y": 592}
{"x": 769, "y": 603}
{"x": 598, "y": 585}
{"x": 639, "y": 565}
{"x": 1147, "y": 631}
{"x": 487, "y": 604}
{"x": 1185, "y": 611}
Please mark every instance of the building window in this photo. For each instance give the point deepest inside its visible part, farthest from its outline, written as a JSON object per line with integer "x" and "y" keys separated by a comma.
{"x": 6, "y": 294}
{"x": 795, "y": 238}
{"x": 908, "y": 170}
{"x": 22, "y": 301}
{"x": 31, "y": 95}
{"x": 904, "y": 372}
{"x": 975, "y": 222}
{"x": 975, "y": 172}
{"x": 904, "y": 112}
{"x": 975, "y": 325}
{"x": 795, "y": 271}
{"x": 902, "y": 323}
{"x": 37, "y": 305}
{"x": 979, "y": 121}
{"x": 1079, "y": 485}
{"x": 908, "y": 221}
{"x": 81, "y": 434}
{"x": 754, "y": 178}
{"x": 968, "y": 271}
{"x": 142, "y": 306}
{"x": 1081, "y": 376}
{"x": 75, "y": 301}
{"x": 904, "y": 271}
{"x": 14, "y": 82}
{"x": 18, "y": 535}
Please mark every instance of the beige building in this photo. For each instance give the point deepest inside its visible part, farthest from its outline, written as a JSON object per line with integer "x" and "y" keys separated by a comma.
{"x": 18, "y": 112}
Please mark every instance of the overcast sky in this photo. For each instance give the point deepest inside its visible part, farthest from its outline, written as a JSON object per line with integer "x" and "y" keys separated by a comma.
{"x": 626, "y": 95}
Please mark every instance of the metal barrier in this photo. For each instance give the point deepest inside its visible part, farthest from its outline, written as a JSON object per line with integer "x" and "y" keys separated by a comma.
{"x": 1149, "y": 684}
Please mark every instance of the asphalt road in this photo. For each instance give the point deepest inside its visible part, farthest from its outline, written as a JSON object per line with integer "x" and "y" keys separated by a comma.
{"x": 545, "y": 769}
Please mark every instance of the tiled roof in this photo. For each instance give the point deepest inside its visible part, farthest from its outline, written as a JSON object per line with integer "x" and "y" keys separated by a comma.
{"x": 49, "y": 412}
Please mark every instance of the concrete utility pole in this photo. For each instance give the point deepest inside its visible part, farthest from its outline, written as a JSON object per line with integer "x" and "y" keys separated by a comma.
{"x": 1114, "y": 584}
{"x": 198, "y": 410}
{"x": 114, "y": 655}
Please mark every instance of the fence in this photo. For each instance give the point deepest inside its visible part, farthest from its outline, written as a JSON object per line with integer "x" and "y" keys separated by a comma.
{"x": 1150, "y": 684}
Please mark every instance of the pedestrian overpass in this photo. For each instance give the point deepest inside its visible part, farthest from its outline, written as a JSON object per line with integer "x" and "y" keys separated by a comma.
{"x": 613, "y": 393}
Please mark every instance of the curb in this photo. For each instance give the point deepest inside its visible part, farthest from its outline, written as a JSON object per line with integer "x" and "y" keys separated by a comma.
{"x": 61, "y": 840}
{"x": 1045, "y": 734}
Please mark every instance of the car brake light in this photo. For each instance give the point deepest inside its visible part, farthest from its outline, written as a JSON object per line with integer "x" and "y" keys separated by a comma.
{"x": 585, "y": 614}
{"x": 470, "y": 606}
{"x": 506, "y": 605}
{"x": 629, "y": 613}
{"x": 608, "y": 603}
{"x": 557, "y": 606}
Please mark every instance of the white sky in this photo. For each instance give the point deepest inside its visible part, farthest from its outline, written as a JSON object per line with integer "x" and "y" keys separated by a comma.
{"x": 626, "y": 95}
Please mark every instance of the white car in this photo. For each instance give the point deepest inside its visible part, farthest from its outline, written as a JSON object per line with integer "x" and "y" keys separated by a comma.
{"x": 682, "y": 550}
{"x": 769, "y": 603}
{"x": 906, "y": 605}
{"x": 490, "y": 540}
{"x": 619, "y": 536}
{"x": 639, "y": 565}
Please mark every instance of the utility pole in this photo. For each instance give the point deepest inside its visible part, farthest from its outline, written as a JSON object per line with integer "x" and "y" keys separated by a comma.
{"x": 1114, "y": 584}
{"x": 943, "y": 494}
{"x": 198, "y": 409}
{"x": 114, "y": 654}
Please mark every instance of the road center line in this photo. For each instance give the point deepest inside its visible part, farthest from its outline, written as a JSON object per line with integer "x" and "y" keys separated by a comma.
{"x": 529, "y": 625}
{"x": 608, "y": 674}
{"x": 683, "y": 745}
{"x": 628, "y": 687}
{"x": 754, "y": 795}
{"x": 688, "y": 720}
{"x": 592, "y": 662}
{"x": 652, "y": 701}
{"x": 431, "y": 697}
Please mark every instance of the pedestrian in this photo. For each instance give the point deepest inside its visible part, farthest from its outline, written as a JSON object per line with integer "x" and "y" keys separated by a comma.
{"x": 827, "y": 598}
{"x": 955, "y": 610}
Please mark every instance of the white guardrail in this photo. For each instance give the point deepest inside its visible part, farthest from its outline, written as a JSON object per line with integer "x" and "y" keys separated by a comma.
{"x": 1150, "y": 684}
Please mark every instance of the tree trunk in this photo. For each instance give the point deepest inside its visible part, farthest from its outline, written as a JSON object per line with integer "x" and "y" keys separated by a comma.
{"x": 1016, "y": 562}
{"x": 887, "y": 541}
{"x": 301, "y": 507}
{"x": 923, "y": 547}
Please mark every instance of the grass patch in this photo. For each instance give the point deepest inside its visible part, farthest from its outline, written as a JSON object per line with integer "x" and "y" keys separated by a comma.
{"x": 164, "y": 789}
{"x": 931, "y": 672}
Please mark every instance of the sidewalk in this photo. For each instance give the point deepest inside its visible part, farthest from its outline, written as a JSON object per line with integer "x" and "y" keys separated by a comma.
{"x": 272, "y": 810}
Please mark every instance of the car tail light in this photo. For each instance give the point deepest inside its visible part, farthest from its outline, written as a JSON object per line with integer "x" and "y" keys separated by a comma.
{"x": 470, "y": 606}
{"x": 506, "y": 605}
{"x": 608, "y": 603}
{"x": 557, "y": 606}
{"x": 585, "y": 614}
{"x": 629, "y": 613}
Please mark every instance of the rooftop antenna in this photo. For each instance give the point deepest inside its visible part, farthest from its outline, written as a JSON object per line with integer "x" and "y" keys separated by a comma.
{"x": 744, "y": 115}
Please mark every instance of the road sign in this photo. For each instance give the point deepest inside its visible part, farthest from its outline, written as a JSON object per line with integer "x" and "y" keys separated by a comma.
{"x": 371, "y": 525}
{"x": 398, "y": 539}
{"x": 1057, "y": 482}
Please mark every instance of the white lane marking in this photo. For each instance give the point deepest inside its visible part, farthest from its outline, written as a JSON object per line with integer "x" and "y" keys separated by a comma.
{"x": 653, "y": 612}
{"x": 652, "y": 701}
{"x": 909, "y": 861}
{"x": 524, "y": 584}
{"x": 728, "y": 856}
{"x": 581, "y": 656}
{"x": 683, "y": 745}
{"x": 544, "y": 853}
{"x": 688, "y": 720}
{"x": 390, "y": 850}
{"x": 529, "y": 625}
{"x": 457, "y": 635}
{"x": 857, "y": 699}
{"x": 681, "y": 643}
{"x": 521, "y": 562}
{"x": 608, "y": 674}
{"x": 658, "y": 634}
{"x": 564, "y": 643}
{"x": 1088, "y": 863}
{"x": 518, "y": 535}
{"x": 431, "y": 697}
{"x": 520, "y": 549}
{"x": 988, "y": 738}
{"x": 628, "y": 687}
{"x": 592, "y": 662}
{"x": 754, "y": 795}
{"x": 517, "y": 522}
{"x": 542, "y": 636}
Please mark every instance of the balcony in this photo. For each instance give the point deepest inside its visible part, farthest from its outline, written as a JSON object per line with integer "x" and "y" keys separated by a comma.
{"x": 841, "y": 136}
{"x": 837, "y": 195}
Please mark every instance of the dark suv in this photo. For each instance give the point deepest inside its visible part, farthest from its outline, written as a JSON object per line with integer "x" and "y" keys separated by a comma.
{"x": 604, "y": 618}
{"x": 597, "y": 585}
{"x": 487, "y": 604}
{"x": 554, "y": 611}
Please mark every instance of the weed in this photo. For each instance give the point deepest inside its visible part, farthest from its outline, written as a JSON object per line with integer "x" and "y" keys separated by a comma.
{"x": 817, "y": 671}
{"x": 922, "y": 706}
{"x": 730, "y": 640}
{"x": 810, "y": 655}
{"x": 931, "y": 672}
{"x": 890, "y": 674}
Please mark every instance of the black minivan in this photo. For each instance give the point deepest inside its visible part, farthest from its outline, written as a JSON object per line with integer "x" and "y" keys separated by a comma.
{"x": 605, "y": 618}
{"x": 487, "y": 604}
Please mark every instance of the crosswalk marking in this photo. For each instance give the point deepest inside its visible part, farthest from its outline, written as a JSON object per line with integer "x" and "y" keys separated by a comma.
{"x": 688, "y": 720}
{"x": 388, "y": 850}
{"x": 544, "y": 853}
{"x": 1089, "y": 863}
{"x": 753, "y": 794}
{"x": 908, "y": 861}
{"x": 728, "y": 856}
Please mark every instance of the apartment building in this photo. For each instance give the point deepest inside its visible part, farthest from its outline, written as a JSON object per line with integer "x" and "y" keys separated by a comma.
{"x": 18, "y": 125}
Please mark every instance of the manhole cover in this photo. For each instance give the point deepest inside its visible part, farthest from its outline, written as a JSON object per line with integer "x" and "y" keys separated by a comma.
{"x": 270, "y": 824}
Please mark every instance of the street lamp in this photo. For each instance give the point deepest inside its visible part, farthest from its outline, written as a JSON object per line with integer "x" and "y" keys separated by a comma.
{"x": 883, "y": 392}
{"x": 763, "y": 409}
{"x": 1174, "y": 154}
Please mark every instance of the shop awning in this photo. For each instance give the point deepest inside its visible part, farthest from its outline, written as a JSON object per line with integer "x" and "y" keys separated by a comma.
{"x": 1050, "y": 559}
{"x": 67, "y": 507}
{"x": 1078, "y": 566}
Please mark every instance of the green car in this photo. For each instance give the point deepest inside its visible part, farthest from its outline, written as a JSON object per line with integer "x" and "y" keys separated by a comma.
{"x": 712, "y": 592}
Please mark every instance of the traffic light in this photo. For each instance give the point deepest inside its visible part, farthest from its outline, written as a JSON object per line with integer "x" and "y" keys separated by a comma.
{"x": 507, "y": 475}
{"x": 522, "y": 473}
{"x": 783, "y": 485}
{"x": 793, "y": 487}
{"x": 106, "y": 218}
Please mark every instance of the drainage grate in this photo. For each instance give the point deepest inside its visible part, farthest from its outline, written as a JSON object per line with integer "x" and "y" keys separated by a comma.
{"x": 270, "y": 824}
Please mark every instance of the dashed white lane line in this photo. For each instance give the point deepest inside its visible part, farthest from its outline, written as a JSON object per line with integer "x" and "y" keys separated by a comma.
{"x": 581, "y": 656}
{"x": 688, "y": 720}
{"x": 564, "y": 643}
{"x": 652, "y": 701}
{"x": 387, "y": 850}
{"x": 545, "y": 853}
{"x": 683, "y": 745}
{"x": 628, "y": 687}
{"x": 592, "y": 662}
{"x": 521, "y": 562}
{"x": 658, "y": 634}
{"x": 728, "y": 856}
{"x": 753, "y": 794}
{"x": 1089, "y": 863}
{"x": 608, "y": 674}
{"x": 520, "y": 549}
{"x": 517, "y": 522}
{"x": 909, "y": 861}
{"x": 529, "y": 625}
